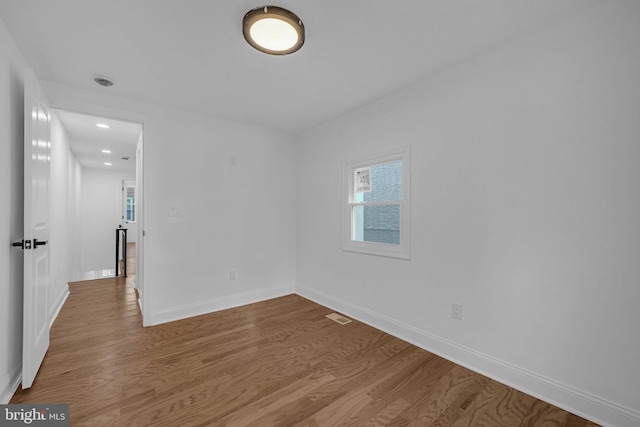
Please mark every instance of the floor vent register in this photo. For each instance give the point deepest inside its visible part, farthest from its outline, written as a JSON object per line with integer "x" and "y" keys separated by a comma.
{"x": 338, "y": 318}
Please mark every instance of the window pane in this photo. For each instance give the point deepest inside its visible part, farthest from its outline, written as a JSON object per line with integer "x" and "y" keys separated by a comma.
{"x": 385, "y": 183}
{"x": 130, "y": 209}
{"x": 377, "y": 224}
{"x": 130, "y": 200}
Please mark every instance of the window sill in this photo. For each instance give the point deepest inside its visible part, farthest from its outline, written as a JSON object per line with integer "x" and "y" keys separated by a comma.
{"x": 378, "y": 249}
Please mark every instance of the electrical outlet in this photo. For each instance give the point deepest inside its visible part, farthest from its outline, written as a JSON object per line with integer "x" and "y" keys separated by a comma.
{"x": 456, "y": 311}
{"x": 233, "y": 275}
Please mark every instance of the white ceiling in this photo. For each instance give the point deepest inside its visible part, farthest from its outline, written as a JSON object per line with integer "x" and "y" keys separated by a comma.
{"x": 87, "y": 141}
{"x": 190, "y": 54}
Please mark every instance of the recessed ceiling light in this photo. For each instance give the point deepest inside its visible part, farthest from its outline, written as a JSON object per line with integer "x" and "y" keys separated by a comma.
{"x": 107, "y": 164}
{"x": 106, "y": 151}
{"x": 273, "y": 30}
{"x": 103, "y": 126}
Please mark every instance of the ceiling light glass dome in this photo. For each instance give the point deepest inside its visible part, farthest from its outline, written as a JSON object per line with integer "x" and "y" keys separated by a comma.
{"x": 273, "y": 30}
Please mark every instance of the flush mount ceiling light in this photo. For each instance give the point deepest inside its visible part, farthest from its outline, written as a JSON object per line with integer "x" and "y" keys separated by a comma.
{"x": 273, "y": 30}
{"x": 102, "y": 126}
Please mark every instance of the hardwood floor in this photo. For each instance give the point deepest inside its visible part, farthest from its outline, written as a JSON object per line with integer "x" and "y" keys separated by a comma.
{"x": 276, "y": 363}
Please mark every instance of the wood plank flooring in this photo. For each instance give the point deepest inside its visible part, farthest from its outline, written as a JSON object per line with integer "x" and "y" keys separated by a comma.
{"x": 276, "y": 363}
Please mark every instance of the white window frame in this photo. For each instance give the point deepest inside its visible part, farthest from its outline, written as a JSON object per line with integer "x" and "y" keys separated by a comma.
{"x": 125, "y": 185}
{"x": 402, "y": 250}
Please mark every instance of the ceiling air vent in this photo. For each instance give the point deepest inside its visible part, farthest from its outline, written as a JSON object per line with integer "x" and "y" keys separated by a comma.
{"x": 103, "y": 81}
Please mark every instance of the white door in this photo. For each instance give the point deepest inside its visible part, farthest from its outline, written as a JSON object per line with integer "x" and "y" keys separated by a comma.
{"x": 37, "y": 146}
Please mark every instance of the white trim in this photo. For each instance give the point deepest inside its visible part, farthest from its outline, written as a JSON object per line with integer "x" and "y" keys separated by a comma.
{"x": 140, "y": 241}
{"x": 204, "y": 307}
{"x": 60, "y": 98}
{"x": 10, "y": 383}
{"x": 403, "y": 250}
{"x": 376, "y": 204}
{"x": 57, "y": 305}
{"x": 564, "y": 396}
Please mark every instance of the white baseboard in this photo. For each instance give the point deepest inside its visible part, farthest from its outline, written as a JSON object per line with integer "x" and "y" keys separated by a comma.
{"x": 561, "y": 395}
{"x": 57, "y": 305}
{"x": 216, "y": 304}
{"x": 140, "y": 297}
{"x": 10, "y": 383}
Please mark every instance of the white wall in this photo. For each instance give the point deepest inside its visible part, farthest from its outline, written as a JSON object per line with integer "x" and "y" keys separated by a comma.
{"x": 238, "y": 217}
{"x": 525, "y": 207}
{"x": 65, "y": 232}
{"x": 12, "y": 67}
{"x": 101, "y": 208}
{"x": 74, "y": 213}
{"x": 132, "y": 231}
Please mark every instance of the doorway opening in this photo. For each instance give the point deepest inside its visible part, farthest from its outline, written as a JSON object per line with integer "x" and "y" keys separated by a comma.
{"x": 96, "y": 191}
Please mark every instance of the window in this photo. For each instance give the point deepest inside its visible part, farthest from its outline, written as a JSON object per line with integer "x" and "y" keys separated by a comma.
{"x": 377, "y": 208}
{"x": 131, "y": 209}
{"x": 129, "y": 201}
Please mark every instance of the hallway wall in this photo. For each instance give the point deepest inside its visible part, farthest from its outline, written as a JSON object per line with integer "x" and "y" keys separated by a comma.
{"x": 101, "y": 214}
{"x": 65, "y": 232}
